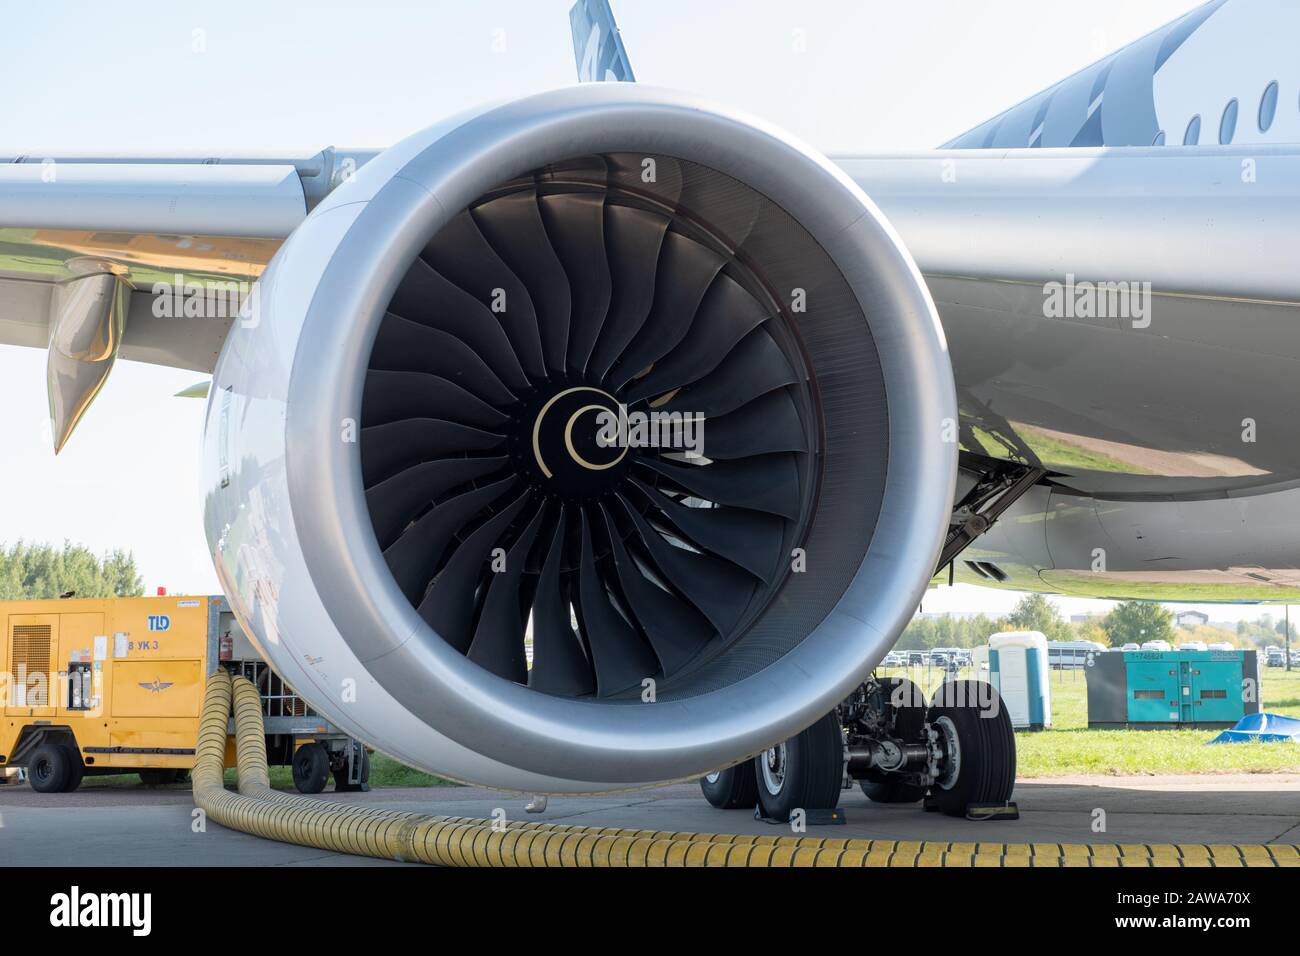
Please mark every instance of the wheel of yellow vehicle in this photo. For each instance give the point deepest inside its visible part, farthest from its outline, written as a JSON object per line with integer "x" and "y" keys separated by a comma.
{"x": 311, "y": 768}
{"x": 50, "y": 768}
{"x": 77, "y": 769}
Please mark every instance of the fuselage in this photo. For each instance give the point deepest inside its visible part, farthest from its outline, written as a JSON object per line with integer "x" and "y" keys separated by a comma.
{"x": 1164, "y": 415}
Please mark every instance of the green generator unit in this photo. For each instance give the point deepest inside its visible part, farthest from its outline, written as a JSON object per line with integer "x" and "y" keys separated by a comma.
{"x": 1145, "y": 690}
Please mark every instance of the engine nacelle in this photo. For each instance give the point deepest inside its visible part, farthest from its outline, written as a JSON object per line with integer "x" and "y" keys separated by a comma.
{"x": 592, "y": 440}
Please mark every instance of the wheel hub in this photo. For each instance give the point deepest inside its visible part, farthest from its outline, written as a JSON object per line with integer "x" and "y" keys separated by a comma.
{"x": 947, "y": 767}
{"x": 774, "y": 768}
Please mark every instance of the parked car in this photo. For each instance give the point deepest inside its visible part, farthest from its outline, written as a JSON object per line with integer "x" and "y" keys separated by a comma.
{"x": 1275, "y": 658}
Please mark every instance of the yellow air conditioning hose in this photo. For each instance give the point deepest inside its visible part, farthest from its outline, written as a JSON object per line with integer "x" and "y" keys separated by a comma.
{"x": 463, "y": 841}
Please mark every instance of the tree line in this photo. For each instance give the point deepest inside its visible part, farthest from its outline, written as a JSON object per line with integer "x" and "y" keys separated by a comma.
{"x": 33, "y": 571}
{"x": 1129, "y": 622}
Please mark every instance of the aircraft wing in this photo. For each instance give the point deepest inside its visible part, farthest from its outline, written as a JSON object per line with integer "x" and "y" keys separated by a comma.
{"x": 86, "y": 243}
{"x": 1214, "y": 221}
{"x": 103, "y": 258}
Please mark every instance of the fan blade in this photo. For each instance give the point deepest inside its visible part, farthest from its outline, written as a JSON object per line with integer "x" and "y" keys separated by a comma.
{"x": 749, "y": 539}
{"x": 389, "y": 449}
{"x": 620, "y": 656}
{"x": 406, "y": 346}
{"x": 448, "y": 606}
{"x": 426, "y": 297}
{"x": 675, "y": 630}
{"x": 393, "y": 396}
{"x": 720, "y": 590}
{"x": 763, "y": 483}
{"x": 498, "y": 643}
{"x": 513, "y": 225}
{"x": 461, "y": 253}
{"x": 560, "y": 664}
{"x": 686, "y": 269}
{"x": 726, "y": 316}
{"x": 755, "y": 367}
{"x": 767, "y": 424}
{"x": 393, "y": 503}
{"x": 414, "y": 557}
{"x": 633, "y": 238}
{"x": 576, "y": 225}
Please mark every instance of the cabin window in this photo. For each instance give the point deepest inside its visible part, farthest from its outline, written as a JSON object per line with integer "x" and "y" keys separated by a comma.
{"x": 1228, "y": 123}
{"x": 1268, "y": 107}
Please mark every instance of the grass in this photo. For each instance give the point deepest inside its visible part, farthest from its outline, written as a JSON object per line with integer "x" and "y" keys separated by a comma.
{"x": 1070, "y": 748}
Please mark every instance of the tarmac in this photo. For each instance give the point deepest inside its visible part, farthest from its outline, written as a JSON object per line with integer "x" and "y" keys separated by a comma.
{"x": 139, "y": 826}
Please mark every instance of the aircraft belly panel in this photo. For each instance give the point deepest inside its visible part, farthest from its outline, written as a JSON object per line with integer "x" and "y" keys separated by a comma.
{"x": 1195, "y": 404}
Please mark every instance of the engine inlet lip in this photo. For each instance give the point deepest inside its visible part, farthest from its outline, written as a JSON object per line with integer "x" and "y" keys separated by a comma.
{"x": 410, "y": 193}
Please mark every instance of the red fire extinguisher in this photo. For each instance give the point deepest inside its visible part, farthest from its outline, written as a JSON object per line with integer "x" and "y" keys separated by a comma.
{"x": 226, "y": 646}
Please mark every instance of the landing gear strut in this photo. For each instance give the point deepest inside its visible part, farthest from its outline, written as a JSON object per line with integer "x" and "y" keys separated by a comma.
{"x": 958, "y": 748}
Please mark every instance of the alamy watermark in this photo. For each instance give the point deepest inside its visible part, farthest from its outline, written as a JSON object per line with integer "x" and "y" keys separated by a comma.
{"x": 675, "y": 431}
{"x": 233, "y": 299}
{"x": 1098, "y": 300}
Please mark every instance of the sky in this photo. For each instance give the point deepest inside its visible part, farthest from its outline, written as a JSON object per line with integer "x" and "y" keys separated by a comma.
{"x": 236, "y": 77}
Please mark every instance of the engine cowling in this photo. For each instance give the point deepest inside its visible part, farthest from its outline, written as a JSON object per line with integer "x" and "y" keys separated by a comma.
{"x": 591, "y": 440}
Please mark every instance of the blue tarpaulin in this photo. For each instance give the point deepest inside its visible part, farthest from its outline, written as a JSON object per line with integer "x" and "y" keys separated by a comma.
{"x": 1268, "y": 728}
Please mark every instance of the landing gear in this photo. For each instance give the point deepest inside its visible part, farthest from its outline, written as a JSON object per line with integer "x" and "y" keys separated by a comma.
{"x": 896, "y": 709}
{"x": 958, "y": 748}
{"x": 735, "y": 788}
{"x": 803, "y": 773}
{"x": 974, "y": 746}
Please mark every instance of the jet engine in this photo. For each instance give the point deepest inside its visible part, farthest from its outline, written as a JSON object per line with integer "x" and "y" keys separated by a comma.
{"x": 592, "y": 440}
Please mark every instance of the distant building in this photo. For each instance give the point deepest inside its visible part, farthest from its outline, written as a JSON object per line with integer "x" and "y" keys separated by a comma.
{"x": 1190, "y": 619}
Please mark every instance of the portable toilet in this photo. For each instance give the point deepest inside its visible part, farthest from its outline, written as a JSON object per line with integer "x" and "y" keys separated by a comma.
{"x": 1018, "y": 669}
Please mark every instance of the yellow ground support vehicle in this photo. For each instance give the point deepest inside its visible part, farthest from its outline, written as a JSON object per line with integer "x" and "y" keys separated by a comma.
{"x": 91, "y": 686}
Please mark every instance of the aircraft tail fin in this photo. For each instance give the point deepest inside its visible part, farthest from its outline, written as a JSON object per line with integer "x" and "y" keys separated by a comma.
{"x": 597, "y": 46}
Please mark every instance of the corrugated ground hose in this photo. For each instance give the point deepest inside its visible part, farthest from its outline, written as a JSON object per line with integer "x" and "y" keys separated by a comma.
{"x": 464, "y": 841}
